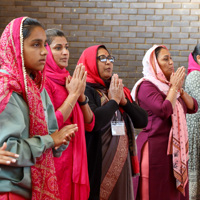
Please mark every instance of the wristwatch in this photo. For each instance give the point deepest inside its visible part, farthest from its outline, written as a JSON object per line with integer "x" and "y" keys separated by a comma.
{"x": 84, "y": 102}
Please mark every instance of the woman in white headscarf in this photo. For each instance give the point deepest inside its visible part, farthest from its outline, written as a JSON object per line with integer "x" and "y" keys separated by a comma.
{"x": 163, "y": 144}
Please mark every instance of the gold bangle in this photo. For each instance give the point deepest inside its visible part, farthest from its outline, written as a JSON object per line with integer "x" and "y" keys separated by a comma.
{"x": 70, "y": 104}
{"x": 173, "y": 90}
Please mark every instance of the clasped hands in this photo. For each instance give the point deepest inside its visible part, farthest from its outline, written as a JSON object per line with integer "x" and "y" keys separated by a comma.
{"x": 76, "y": 84}
{"x": 116, "y": 91}
{"x": 177, "y": 79}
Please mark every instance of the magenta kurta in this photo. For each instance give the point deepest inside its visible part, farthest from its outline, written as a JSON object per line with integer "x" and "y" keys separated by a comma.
{"x": 162, "y": 184}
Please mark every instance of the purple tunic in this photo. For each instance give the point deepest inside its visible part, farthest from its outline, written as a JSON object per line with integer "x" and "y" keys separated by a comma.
{"x": 162, "y": 184}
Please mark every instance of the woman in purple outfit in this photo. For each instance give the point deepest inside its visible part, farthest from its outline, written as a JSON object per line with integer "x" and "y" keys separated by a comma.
{"x": 163, "y": 144}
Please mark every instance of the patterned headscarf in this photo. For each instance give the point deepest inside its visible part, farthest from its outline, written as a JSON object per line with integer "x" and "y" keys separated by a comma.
{"x": 178, "y": 137}
{"x": 44, "y": 182}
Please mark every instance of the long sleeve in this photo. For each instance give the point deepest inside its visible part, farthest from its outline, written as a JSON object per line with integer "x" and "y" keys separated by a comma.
{"x": 14, "y": 125}
{"x": 103, "y": 114}
{"x": 89, "y": 127}
{"x": 153, "y": 101}
{"x": 138, "y": 115}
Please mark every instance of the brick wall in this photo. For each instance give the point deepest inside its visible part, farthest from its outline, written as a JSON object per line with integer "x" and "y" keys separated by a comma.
{"x": 127, "y": 27}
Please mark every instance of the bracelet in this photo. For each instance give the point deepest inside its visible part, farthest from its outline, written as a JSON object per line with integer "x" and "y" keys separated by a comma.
{"x": 173, "y": 90}
{"x": 70, "y": 104}
{"x": 84, "y": 102}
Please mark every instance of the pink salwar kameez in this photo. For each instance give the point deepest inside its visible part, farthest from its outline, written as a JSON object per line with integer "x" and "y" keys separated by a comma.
{"x": 71, "y": 167}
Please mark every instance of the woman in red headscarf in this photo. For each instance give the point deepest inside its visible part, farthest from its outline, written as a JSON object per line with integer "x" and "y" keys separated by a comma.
{"x": 111, "y": 149}
{"x": 163, "y": 144}
{"x": 27, "y": 116}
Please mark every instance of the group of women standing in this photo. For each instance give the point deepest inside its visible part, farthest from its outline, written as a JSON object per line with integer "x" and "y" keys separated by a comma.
{"x": 72, "y": 137}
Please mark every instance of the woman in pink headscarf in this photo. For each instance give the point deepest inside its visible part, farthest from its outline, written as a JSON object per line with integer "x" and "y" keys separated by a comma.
{"x": 192, "y": 86}
{"x": 163, "y": 144}
{"x": 27, "y": 119}
{"x": 71, "y": 106}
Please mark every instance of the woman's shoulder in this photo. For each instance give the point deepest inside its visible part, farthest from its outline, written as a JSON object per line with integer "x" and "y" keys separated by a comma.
{"x": 45, "y": 97}
{"x": 16, "y": 99}
{"x": 90, "y": 89}
{"x": 51, "y": 86}
{"x": 193, "y": 78}
{"x": 92, "y": 94}
{"x": 193, "y": 74}
{"x": 147, "y": 85}
{"x": 49, "y": 83}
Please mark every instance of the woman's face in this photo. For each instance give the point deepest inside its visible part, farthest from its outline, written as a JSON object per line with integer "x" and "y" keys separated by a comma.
{"x": 198, "y": 59}
{"x": 34, "y": 51}
{"x": 105, "y": 68}
{"x": 165, "y": 62}
{"x": 59, "y": 49}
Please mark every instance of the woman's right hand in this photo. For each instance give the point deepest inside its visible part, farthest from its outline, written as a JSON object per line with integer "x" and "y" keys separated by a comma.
{"x": 76, "y": 84}
{"x": 64, "y": 135}
{"x": 116, "y": 89}
{"x": 177, "y": 78}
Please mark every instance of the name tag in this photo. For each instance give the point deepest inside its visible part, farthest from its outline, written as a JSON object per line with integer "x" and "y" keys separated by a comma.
{"x": 118, "y": 128}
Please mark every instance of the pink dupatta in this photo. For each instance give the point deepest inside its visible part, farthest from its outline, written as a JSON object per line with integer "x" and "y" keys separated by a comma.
{"x": 44, "y": 182}
{"x": 178, "y": 138}
{"x": 80, "y": 169}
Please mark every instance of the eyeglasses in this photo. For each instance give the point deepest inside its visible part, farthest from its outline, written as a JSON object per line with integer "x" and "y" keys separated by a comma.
{"x": 103, "y": 58}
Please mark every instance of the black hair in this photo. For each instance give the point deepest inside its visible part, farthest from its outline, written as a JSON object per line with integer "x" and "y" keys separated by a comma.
{"x": 157, "y": 51}
{"x": 52, "y": 33}
{"x": 28, "y": 25}
{"x": 102, "y": 47}
{"x": 196, "y": 52}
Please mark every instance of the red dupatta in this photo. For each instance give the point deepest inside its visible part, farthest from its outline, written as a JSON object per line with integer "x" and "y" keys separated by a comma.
{"x": 44, "y": 182}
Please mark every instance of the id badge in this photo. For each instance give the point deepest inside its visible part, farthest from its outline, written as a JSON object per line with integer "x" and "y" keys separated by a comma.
{"x": 118, "y": 128}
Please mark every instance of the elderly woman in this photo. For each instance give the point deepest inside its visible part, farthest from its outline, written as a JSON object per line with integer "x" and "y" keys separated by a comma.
{"x": 192, "y": 86}
{"x": 111, "y": 145}
{"x": 163, "y": 144}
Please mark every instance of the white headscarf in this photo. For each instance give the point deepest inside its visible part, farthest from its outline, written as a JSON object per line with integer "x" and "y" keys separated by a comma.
{"x": 177, "y": 145}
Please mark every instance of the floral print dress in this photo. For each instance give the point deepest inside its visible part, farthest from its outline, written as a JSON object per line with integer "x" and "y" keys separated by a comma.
{"x": 192, "y": 87}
